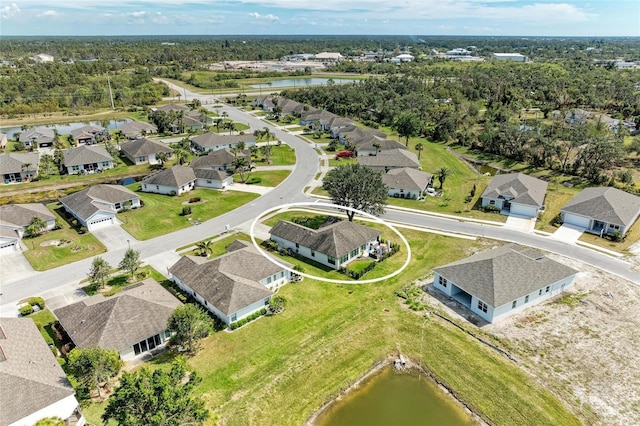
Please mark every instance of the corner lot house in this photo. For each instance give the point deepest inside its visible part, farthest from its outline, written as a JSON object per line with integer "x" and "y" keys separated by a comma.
{"x": 87, "y": 159}
{"x": 334, "y": 245}
{"x": 37, "y": 137}
{"x": 407, "y": 183}
{"x": 96, "y": 206}
{"x": 602, "y": 210}
{"x": 213, "y": 141}
{"x": 515, "y": 193}
{"x": 219, "y": 160}
{"x": 133, "y": 322}
{"x": 391, "y": 159}
{"x": 232, "y": 286}
{"x": 501, "y": 281}
{"x": 14, "y": 219}
{"x": 174, "y": 181}
{"x": 143, "y": 151}
{"x": 215, "y": 179}
{"x": 33, "y": 384}
{"x": 16, "y": 168}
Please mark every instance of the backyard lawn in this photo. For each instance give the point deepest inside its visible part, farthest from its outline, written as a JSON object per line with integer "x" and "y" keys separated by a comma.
{"x": 282, "y": 155}
{"x": 265, "y": 178}
{"x": 162, "y": 214}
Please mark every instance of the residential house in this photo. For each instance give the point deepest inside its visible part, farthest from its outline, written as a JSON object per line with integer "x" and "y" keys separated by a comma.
{"x": 174, "y": 181}
{"x": 407, "y": 183}
{"x": 96, "y": 207}
{"x": 211, "y": 141}
{"x": 333, "y": 245}
{"x": 137, "y": 129}
{"x": 504, "y": 280}
{"x": 317, "y": 118}
{"x": 14, "y": 219}
{"x": 221, "y": 159}
{"x": 353, "y": 134}
{"x": 284, "y": 105}
{"x": 37, "y": 137}
{"x": 19, "y": 167}
{"x": 133, "y": 322}
{"x": 232, "y": 286}
{"x": 516, "y": 194}
{"x": 391, "y": 159}
{"x": 336, "y": 123}
{"x": 216, "y": 179}
{"x": 34, "y": 386}
{"x": 144, "y": 151}
{"x": 186, "y": 119}
{"x": 602, "y": 211}
{"x": 374, "y": 145}
{"x": 87, "y": 134}
{"x": 87, "y": 159}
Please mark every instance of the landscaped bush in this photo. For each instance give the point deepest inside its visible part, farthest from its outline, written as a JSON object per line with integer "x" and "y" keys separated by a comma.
{"x": 491, "y": 209}
{"x": 243, "y": 321}
{"x": 36, "y": 301}
{"x": 194, "y": 199}
{"x": 26, "y": 310}
{"x": 186, "y": 211}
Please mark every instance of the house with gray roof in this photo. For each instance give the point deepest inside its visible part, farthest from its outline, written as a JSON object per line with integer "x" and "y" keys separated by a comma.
{"x": 502, "y": 281}
{"x": 232, "y": 286}
{"x": 374, "y": 145}
{"x": 86, "y": 134}
{"x": 144, "y": 151}
{"x": 212, "y": 141}
{"x": 37, "y": 137}
{"x": 602, "y": 210}
{"x": 96, "y": 206}
{"x": 354, "y": 133}
{"x": 407, "y": 183}
{"x": 174, "y": 181}
{"x": 216, "y": 179}
{"x": 137, "y": 129}
{"x": 333, "y": 245}
{"x": 87, "y": 159}
{"x": 221, "y": 159}
{"x": 34, "y": 386}
{"x": 133, "y": 322}
{"x": 391, "y": 159}
{"x": 19, "y": 167}
{"x": 515, "y": 193}
{"x": 14, "y": 219}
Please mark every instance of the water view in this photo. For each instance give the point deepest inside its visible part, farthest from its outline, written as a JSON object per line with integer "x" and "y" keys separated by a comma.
{"x": 293, "y": 82}
{"x": 65, "y": 129}
{"x": 389, "y": 398}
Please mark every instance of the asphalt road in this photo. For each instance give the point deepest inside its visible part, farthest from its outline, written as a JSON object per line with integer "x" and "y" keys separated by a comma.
{"x": 291, "y": 190}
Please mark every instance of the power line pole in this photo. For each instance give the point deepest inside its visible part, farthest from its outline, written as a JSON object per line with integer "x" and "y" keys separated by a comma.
{"x": 110, "y": 92}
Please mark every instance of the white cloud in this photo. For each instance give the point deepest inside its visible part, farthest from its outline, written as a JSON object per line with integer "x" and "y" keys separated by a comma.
{"x": 48, "y": 13}
{"x": 9, "y": 11}
{"x": 269, "y": 17}
{"x": 139, "y": 14}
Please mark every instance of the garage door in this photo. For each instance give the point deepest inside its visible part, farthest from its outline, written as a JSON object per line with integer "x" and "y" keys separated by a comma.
{"x": 521, "y": 210}
{"x": 100, "y": 223}
{"x": 9, "y": 247}
{"x": 576, "y": 220}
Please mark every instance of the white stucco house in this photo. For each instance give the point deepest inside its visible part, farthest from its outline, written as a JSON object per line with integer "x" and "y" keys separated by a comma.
{"x": 216, "y": 179}
{"x": 407, "y": 183}
{"x": 33, "y": 385}
{"x": 87, "y": 159}
{"x": 221, "y": 159}
{"x": 515, "y": 193}
{"x": 19, "y": 167}
{"x": 211, "y": 141}
{"x": 144, "y": 151}
{"x": 502, "y": 281}
{"x": 14, "y": 219}
{"x": 232, "y": 286}
{"x": 174, "y": 181}
{"x": 97, "y": 206}
{"x": 333, "y": 245}
{"x": 602, "y": 210}
{"x": 37, "y": 137}
{"x": 133, "y": 322}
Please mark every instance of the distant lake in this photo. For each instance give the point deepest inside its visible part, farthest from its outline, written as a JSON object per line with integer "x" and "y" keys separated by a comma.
{"x": 65, "y": 129}
{"x": 389, "y": 398}
{"x": 290, "y": 82}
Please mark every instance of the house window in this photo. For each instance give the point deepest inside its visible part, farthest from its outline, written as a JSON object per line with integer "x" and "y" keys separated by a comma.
{"x": 546, "y": 290}
{"x": 157, "y": 188}
{"x": 268, "y": 280}
{"x": 234, "y": 318}
{"x": 482, "y": 306}
{"x": 331, "y": 260}
{"x": 614, "y": 227}
{"x": 208, "y": 181}
{"x": 492, "y": 202}
{"x": 105, "y": 164}
{"x": 205, "y": 303}
{"x": 442, "y": 281}
{"x": 354, "y": 252}
{"x": 313, "y": 253}
{"x": 540, "y": 292}
{"x": 401, "y": 190}
{"x": 514, "y": 304}
{"x": 526, "y": 299}
{"x": 297, "y": 245}
{"x": 75, "y": 168}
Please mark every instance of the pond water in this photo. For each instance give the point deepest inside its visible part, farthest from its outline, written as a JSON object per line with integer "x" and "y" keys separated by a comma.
{"x": 293, "y": 82}
{"x": 483, "y": 169}
{"x": 65, "y": 129}
{"x": 389, "y": 398}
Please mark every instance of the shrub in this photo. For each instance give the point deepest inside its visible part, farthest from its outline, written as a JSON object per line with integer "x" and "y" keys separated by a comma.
{"x": 36, "y": 301}
{"x": 194, "y": 199}
{"x": 26, "y": 310}
{"x": 173, "y": 193}
{"x": 186, "y": 211}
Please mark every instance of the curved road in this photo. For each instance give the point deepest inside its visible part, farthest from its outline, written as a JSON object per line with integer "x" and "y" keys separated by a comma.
{"x": 291, "y": 190}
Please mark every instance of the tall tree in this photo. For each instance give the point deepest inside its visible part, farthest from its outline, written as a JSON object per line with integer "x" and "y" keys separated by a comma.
{"x": 442, "y": 175}
{"x": 266, "y": 151}
{"x": 358, "y": 187}
{"x": 189, "y": 324}
{"x": 36, "y": 227}
{"x": 93, "y": 365}
{"x": 130, "y": 262}
{"x": 99, "y": 272}
{"x": 419, "y": 148}
{"x": 407, "y": 125}
{"x": 162, "y": 157}
{"x": 158, "y": 398}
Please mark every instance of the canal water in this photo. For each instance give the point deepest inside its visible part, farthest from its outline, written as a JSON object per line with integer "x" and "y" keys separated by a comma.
{"x": 389, "y": 398}
{"x": 291, "y": 82}
{"x": 65, "y": 129}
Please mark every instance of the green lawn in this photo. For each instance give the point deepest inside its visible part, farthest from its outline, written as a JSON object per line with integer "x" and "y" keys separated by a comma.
{"x": 79, "y": 246}
{"x": 218, "y": 247}
{"x": 162, "y": 214}
{"x": 282, "y": 155}
{"x": 265, "y": 178}
{"x": 43, "y": 320}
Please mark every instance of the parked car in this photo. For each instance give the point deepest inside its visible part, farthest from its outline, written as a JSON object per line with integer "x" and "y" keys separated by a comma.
{"x": 344, "y": 154}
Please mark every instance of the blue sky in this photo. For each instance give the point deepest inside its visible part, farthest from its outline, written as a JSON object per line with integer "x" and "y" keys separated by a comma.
{"x": 404, "y": 17}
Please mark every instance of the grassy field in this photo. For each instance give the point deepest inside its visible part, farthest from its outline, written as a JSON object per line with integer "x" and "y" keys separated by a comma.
{"x": 79, "y": 246}
{"x": 162, "y": 214}
{"x": 282, "y": 155}
{"x": 266, "y": 178}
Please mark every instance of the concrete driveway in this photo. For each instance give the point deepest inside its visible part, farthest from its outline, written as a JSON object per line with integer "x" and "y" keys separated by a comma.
{"x": 114, "y": 237}
{"x": 568, "y": 233}
{"x": 520, "y": 223}
{"x": 14, "y": 267}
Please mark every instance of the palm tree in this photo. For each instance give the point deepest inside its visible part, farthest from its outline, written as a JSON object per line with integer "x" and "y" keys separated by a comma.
{"x": 377, "y": 146}
{"x": 181, "y": 155}
{"x": 419, "y": 148}
{"x": 231, "y": 126}
{"x": 218, "y": 122}
{"x": 162, "y": 157}
{"x": 205, "y": 248}
{"x": 442, "y": 174}
{"x": 267, "y": 134}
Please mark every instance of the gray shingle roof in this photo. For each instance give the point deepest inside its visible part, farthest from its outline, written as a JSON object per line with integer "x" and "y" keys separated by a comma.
{"x": 40, "y": 134}
{"x": 89, "y": 129}
{"x": 173, "y": 107}
{"x": 334, "y": 240}
{"x": 119, "y": 321}
{"x": 211, "y": 139}
{"x": 12, "y": 162}
{"x": 220, "y": 157}
{"x": 31, "y": 377}
{"x": 82, "y": 202}
{"x": 355, "y": 133}
{"x": 211, "y": 174}
{"x": 229, "y": 282}
{"x": 503, "y": 274}
{"x": 134, "y": 128}
{"x": 85, "y": 155}
{"x": 366, "y": 143}
{"x": 523, "y": 188}
{"x": 605, "y": 204}
{"x": 144, "y": 146}
{"x": 391, "y": 158}
{"x": 176, "y": 176}
{"x": 405, "y": 178}
{"x": 20, "y": 215}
